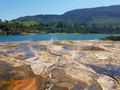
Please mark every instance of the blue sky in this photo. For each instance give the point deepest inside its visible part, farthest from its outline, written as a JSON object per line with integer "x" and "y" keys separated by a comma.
{"x": 10, "y": 9}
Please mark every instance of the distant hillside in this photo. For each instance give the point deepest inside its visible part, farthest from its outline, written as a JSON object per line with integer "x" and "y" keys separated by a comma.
{"x": 101, "y": 15}
{"x": 102, "y": 20}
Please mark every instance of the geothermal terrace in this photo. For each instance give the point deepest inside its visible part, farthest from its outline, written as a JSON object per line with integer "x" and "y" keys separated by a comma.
{"x": 60, "y": 65}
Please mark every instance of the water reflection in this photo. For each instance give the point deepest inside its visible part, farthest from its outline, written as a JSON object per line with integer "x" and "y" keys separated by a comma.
{"x": 26, "y": 50}
{"x": 39, "y": 47}
{"x": 109, "y": 69}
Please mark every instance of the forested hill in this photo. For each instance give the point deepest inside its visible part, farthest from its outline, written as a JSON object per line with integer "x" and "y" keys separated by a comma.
{"x": 82, "y": 16}
{"x": 89, "y": 20}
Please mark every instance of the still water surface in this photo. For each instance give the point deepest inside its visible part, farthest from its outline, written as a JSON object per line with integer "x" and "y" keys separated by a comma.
{"x": 39, "y": 37}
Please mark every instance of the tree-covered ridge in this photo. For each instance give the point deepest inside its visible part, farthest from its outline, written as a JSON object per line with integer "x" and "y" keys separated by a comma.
{"x": 90, "y": 20}
{"x": 13, "y": 27}
{"x": 80, "y": 16}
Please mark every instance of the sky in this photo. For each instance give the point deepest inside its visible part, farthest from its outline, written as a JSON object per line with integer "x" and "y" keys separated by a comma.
{"x": 11, "y": 9}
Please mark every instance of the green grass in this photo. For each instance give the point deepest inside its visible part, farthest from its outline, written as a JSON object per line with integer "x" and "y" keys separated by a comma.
{"x": 28, "y": 23}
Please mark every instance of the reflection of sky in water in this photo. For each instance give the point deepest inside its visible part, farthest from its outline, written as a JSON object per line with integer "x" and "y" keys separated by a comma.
{"x": 69, "y": 47}
{"x": 2, "y": 53}
{"x": 39, "y": 47}
{"x": 111, "y": 70}
{"x": 26, "y": 50}
{"x": 10, "y": 51}
{"x": 7, "y": 51}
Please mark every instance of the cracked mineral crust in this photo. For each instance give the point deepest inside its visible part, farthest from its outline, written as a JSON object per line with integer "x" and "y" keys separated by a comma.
{"x": 60, "y": 65}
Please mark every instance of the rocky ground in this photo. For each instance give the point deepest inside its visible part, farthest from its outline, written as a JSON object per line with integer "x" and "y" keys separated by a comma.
{"x": 60, "y": 65}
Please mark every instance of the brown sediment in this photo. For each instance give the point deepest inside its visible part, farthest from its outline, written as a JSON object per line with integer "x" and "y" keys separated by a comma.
{"x": 37, "y": 83}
